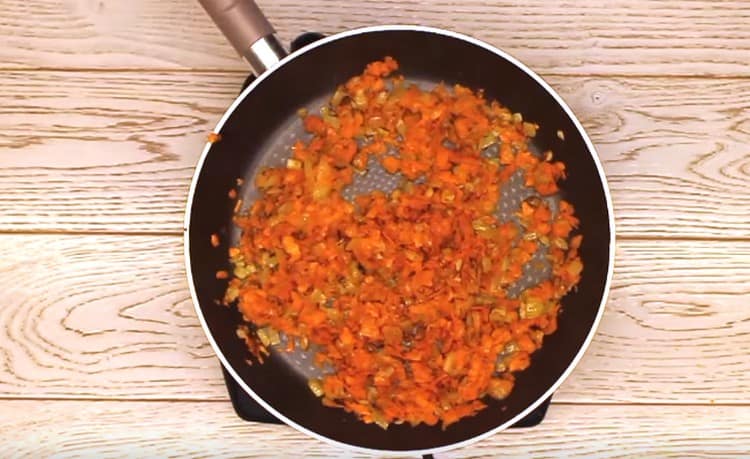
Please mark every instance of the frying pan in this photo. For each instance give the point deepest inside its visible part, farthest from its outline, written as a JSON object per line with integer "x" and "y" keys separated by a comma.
{"x": 257, "y": 130}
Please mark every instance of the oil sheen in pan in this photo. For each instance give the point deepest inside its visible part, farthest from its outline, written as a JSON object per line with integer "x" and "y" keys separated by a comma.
{"x": 277, "y": 152}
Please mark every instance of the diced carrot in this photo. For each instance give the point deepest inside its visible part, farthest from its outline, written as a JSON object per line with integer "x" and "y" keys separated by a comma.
{"x": 404, "y": 293}
{"x": 391, "y": 164}
{"x": 314, "y": 124}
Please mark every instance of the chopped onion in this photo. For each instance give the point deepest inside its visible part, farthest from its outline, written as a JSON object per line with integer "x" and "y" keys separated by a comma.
{"x": 316, "y": 386}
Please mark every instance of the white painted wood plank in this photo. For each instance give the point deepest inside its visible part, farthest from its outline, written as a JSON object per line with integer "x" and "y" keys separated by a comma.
{"x": 78, "y": 429}
{"x": 115, "y": 151}
{"x": 654, "y": 37}
{"x": 110, "y": 317}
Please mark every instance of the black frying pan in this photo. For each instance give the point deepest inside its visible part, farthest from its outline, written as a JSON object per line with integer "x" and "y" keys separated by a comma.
{"x": 256, "y": 130}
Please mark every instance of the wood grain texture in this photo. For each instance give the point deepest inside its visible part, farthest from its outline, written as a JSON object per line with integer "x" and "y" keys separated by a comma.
{"x": 121, "y": 145}
{"x": 194, "y": 429}
{"x": 102, "y": 316}
{"x": 685, "y": 37}
{"x": 115, "y": 151}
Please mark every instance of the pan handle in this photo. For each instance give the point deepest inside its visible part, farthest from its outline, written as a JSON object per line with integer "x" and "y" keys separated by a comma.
{"x": 248, "y": 30}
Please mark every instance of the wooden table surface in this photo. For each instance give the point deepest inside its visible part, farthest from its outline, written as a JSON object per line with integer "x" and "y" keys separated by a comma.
{"x": 105, "y": 108}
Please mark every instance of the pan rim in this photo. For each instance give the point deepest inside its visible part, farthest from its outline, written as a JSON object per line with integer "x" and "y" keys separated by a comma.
{"x": 594, "y": 156}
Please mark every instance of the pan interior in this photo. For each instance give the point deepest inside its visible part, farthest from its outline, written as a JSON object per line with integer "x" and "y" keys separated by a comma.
{"x": 278, "y": 151}
{"x": 258, "y": 133}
